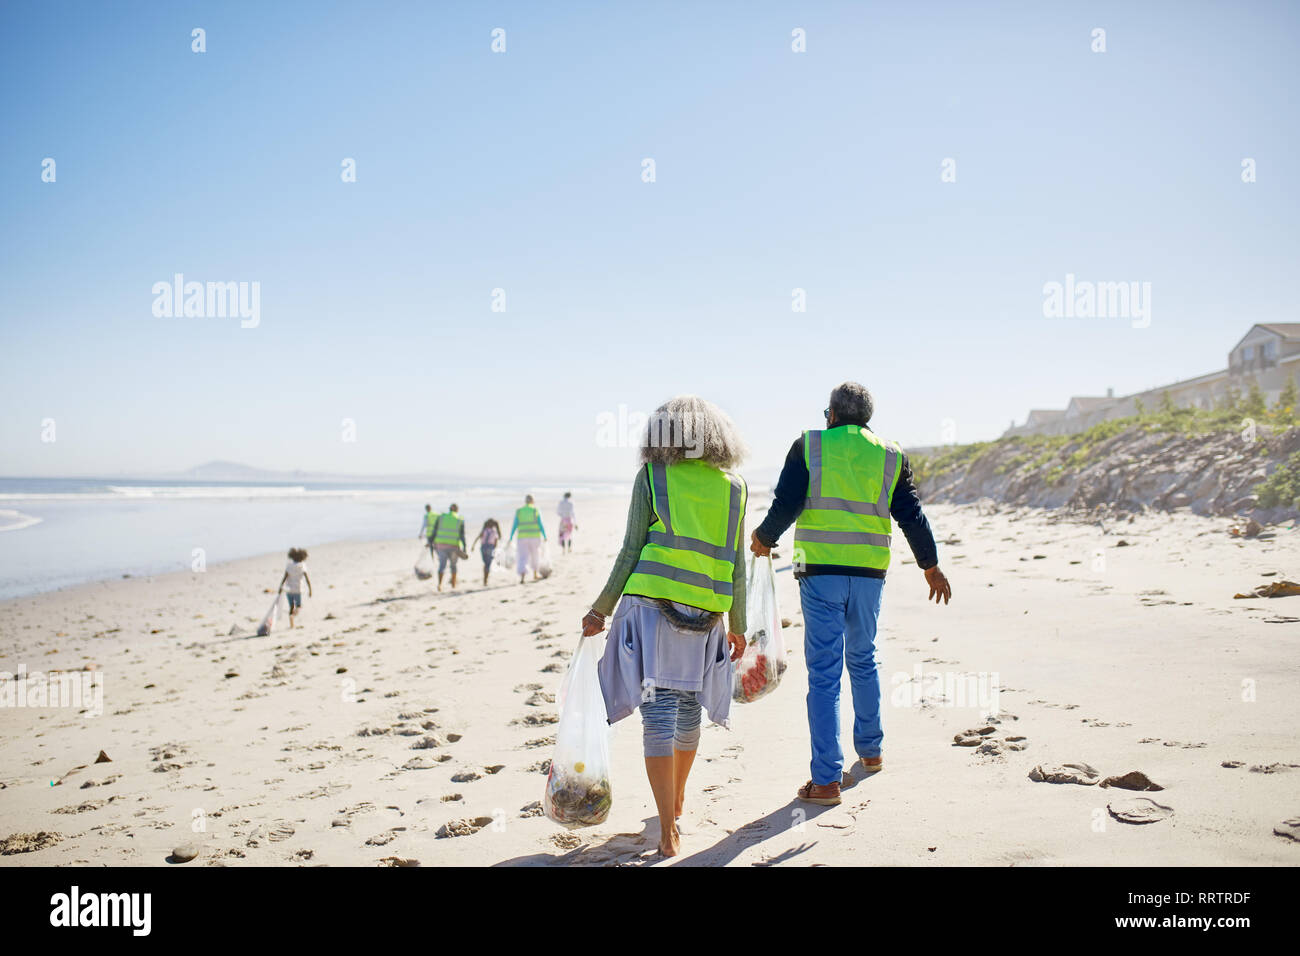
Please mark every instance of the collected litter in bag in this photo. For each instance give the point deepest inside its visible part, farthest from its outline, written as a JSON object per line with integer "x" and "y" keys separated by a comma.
{"x": 577, "y": 787}
{"x": 506, "y": 557}
{"x": 544, "y": 566}
{"x": 424, "y": 565}
{"x": 272, "y": 615}
{"x": 759, "y": 670}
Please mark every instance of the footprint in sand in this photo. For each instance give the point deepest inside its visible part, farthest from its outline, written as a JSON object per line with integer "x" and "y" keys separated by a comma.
{"x": 462, "y": 827}
{"x": 1139, "y": 810}
{"x": 385, "y": 837}
{"x": 540, "y": 742}
{"x": 425, "y": 762}
{"x": 973, "y": 737}
{"x": 533, "y": 809}
{"x": 1289, "y": 829}
{"x": 553, "y": 669}
{"x": 536, "y": 720}
{"x": 466, "y": 776}
{"x": 1080, "y": 773}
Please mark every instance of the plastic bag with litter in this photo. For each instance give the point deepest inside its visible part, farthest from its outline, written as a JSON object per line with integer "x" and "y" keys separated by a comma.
{"x": 505, "y": 557}
{"x": 759, "y": 670}
{"x": 424, "y": 565}
{"x": 577, "y": 787}
{"x": 272, "y": 614}
{"x": 544, "y": 566}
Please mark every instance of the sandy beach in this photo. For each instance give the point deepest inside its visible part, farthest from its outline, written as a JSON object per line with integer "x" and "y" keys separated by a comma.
{"x": 398, "y": 725}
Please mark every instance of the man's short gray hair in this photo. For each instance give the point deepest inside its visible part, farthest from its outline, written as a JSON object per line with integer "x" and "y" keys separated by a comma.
{"x": 852, "y": 403}
{"x": 688, "y": 426}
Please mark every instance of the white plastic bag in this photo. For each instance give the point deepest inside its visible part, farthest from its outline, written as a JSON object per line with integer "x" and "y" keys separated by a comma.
{"x": 424, "y": 565}
{"x": 577, "y": 787}
{"x": 544, "y": 566}
{"x": 759, "y": 670}
{"x": 505, "y": 557}
{"x": 272, "y": 614}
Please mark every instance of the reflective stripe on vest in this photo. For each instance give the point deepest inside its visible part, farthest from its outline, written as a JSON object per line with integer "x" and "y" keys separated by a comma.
{"x": 691, "y": 548}
{"x": 527, "y": 525}
{"x": 430, "y": 519}
{"x": 845, "y": 522}
{"x": 449, "y": 526}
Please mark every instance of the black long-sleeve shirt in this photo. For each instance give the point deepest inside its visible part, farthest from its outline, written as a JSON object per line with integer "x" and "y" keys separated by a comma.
{"x": 904, "y": 508}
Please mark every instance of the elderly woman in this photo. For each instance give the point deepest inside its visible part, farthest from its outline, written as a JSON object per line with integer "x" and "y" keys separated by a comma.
{"x": 678, "y": 573}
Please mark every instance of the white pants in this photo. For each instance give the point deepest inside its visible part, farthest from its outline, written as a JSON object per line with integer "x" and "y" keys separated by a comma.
{"x": 527, "y": 550}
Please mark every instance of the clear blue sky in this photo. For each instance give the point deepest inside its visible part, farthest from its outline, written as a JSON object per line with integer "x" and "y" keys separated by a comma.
{"x": 522, "y": 170}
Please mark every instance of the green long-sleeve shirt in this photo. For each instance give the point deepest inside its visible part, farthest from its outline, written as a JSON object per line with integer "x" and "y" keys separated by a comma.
{"x": 640, "y": 515}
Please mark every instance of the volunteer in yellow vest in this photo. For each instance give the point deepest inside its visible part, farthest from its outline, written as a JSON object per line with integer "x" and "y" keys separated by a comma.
{"x": 426, "y": 526}
{"x": 679, "y": 584}
{"x": 840, "y": 487}
{"x": 528, "y": 525}
{"x": 448, "y": 541}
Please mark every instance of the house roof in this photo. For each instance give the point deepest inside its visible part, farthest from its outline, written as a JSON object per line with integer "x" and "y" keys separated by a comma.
{"x": 1045, "y": 414}
{"x": 1287, "y": 330}
{"x": 1086, "y": 403}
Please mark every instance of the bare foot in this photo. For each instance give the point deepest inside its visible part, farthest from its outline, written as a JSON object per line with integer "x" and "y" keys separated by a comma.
{"x": 670, "y": 844}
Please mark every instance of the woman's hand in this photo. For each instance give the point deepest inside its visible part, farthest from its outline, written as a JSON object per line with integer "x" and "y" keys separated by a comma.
{"x": 593, "y": 623}
{"x": 737, "y": 642}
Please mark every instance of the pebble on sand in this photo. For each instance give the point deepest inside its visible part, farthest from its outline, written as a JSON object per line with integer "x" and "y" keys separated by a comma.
{"x": 185, "y": 852}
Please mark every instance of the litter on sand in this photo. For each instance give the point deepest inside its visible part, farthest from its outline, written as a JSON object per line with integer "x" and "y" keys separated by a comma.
{"x": 759, "y": 670}
{"x": 577, "y": 786}
{"x": 1273, "y": 589}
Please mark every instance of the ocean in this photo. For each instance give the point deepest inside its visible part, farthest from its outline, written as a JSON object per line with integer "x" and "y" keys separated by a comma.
{"x": 58, "y": 532}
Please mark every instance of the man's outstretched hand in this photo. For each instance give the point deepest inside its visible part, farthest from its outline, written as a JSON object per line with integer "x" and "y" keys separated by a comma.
{"x": 939, "y": 586}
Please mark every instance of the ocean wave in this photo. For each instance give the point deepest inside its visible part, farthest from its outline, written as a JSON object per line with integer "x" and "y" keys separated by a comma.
{"x": 15, "y": 520}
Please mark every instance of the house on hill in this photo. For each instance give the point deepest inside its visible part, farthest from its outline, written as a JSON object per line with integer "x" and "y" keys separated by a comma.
{"x": 1268, "y": 356}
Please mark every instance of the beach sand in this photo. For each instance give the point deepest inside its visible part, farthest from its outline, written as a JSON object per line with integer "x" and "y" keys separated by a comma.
{"x": 395, "y": 714}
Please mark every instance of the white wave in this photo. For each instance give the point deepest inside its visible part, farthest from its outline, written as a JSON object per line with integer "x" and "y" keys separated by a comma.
{"x": 14, "y": 520}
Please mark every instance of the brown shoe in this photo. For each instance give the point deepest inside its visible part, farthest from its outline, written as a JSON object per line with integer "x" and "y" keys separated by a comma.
{"x": 873, "y": 764}
{"x": 826, "y": 794}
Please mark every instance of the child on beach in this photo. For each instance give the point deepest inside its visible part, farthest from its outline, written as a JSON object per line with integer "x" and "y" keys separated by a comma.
{"x": 295, "y": 572}
{"x": 490, "y": 536}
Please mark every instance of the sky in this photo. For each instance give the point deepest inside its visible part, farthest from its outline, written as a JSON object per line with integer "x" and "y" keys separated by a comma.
{"x": 377, "y": 349}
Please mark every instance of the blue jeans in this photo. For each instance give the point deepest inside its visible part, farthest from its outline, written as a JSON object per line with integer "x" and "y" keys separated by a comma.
{"x": 839, "y": 615}
{"x": 670, "y": 721}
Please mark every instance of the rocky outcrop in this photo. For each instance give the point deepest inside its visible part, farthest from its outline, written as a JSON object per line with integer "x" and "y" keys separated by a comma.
{"x": 1133, "y": 470}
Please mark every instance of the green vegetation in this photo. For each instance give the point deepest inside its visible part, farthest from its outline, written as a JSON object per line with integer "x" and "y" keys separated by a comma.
{"x": 1282, "y": 488}
{"x": 1060, "y": 455}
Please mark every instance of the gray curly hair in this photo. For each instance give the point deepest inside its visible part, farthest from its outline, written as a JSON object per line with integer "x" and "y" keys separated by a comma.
{"x": 852, "y": 403}
{"x": 688, "y": 426}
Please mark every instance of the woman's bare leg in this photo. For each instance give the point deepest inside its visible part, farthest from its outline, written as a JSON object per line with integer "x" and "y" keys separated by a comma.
{"x": 682, "y": 760}
{"x": 664, "y": 787}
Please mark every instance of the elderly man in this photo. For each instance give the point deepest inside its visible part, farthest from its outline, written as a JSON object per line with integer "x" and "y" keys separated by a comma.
{"x": 839, "y": 487}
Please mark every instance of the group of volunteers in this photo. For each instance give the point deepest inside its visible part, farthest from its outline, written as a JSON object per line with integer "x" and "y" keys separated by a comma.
{"x": 680, "y": 571}
{"x": 445, "y": 535}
